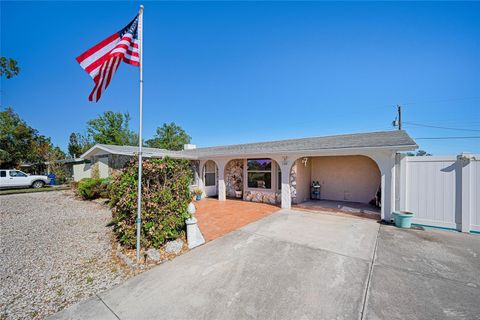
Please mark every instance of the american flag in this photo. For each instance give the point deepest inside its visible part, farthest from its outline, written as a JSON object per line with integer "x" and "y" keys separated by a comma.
{"x": 102, "y": 60}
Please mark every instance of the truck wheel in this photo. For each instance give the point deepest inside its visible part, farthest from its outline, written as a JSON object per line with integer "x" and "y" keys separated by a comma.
{"x": 38, "y": 184}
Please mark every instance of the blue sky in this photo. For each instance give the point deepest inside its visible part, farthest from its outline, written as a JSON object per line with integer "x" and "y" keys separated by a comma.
{"x": 236, "y": 72}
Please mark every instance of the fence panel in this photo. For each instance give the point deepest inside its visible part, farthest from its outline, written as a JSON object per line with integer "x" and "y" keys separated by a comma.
{"x": 431, "y": 190}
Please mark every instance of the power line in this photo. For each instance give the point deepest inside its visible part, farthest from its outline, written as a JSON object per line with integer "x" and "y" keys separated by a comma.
{"x": 447, "y": 138}
{"x": 439, "y": 127}
{"x": 441, "y": 100}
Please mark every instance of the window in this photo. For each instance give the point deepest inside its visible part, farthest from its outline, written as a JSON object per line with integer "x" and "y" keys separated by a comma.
{"x": 259, "y": 173}
{"x": 17, "y": 174}
{"x": 279, "y": 178}
{"x": 3, "y": 174}
{"x": 210, "y": 174}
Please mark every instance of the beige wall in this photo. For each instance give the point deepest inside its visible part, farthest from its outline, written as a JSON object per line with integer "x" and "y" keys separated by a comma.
{"x": 82, "y": 170}
{"x": 303, "y": 180}
{"x": 103, "y": 168}
{"x": 345, "y": 178}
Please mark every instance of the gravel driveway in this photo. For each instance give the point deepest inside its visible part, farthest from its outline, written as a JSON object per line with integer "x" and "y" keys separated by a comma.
{"x": 55, "y": 250}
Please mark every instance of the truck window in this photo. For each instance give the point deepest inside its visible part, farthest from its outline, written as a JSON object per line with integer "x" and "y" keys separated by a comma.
{"x": 3, "y": 174}
{"x": 17, "y": 174}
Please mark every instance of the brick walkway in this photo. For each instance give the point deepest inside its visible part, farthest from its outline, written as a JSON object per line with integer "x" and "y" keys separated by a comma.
{"x": 216, "y": 218}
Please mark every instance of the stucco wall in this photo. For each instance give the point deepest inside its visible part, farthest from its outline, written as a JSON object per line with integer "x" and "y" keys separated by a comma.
{"x": 346, "y": 178}
{"x": 82, "y": 170}
{"x": 303, "y": 181}
{"x": 103, "y": 168}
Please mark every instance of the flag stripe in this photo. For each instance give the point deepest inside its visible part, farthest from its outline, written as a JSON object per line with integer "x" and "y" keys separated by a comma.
{"x": 102, "y": 60}
{"x": 97, "y": 47}
{"x": 99, "y": 53}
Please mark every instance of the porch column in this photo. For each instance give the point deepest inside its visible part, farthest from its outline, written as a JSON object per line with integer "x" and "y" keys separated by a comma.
{"x": 222, "y": 191}
{"x": 386, "y": 164}
{"x": 286, "y": 167}
{"x": 201, "y": 172}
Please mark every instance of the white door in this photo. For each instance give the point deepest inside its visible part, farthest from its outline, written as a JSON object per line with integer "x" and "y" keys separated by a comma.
{"x": 210, "y": 178}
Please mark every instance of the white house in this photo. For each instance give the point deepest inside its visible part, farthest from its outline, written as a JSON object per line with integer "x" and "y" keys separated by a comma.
{"x": 351, "y": 167}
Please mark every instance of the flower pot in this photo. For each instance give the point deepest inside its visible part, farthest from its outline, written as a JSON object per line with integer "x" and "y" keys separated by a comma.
{"x": 403, "y": 219}
{"x": 198, "y": 197}
{"x": 238, "y": 194}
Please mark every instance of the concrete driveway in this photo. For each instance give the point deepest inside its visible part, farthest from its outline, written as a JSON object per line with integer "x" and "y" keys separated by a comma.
{"x": 297, "y": 265}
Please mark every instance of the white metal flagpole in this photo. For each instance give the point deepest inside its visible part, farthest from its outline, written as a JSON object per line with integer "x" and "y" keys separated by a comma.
{"x": 139, "y": 199}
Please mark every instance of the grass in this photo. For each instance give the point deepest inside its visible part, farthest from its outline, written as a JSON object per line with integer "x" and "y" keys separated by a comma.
{"x": 30, "y": 190}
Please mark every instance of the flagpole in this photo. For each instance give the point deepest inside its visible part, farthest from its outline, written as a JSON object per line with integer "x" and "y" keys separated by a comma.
{"x": 139, "y": 199}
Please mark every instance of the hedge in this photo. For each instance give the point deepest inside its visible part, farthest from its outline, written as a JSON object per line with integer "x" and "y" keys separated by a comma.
{"x": 92, "y": 188}
{"x": 165, "y": 198}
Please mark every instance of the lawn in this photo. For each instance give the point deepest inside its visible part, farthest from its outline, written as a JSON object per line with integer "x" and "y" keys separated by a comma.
{"x": 30, "y": 190}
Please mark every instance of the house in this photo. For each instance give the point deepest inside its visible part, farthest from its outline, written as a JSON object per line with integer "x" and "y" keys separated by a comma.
{"x": 351, "y": 167}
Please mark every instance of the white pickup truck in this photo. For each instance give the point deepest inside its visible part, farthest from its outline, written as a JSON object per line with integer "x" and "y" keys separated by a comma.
{"x": 19, "y": 179}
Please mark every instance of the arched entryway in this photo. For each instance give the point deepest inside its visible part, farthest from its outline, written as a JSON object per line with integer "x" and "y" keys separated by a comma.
{"x": 234, "y": 179}
{"x": 210, "y": 178}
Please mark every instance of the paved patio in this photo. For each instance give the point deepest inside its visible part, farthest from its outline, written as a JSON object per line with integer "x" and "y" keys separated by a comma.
{"x": 217, "y": 218}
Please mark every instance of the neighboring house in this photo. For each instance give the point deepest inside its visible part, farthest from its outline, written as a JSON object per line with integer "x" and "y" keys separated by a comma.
{"x": 350, "y": 167}
{"x": 45, "y": 167}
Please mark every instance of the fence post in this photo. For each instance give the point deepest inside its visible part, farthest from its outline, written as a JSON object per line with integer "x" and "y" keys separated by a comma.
{"x": 401, "y": 182}
{"x": 466, "y": 189}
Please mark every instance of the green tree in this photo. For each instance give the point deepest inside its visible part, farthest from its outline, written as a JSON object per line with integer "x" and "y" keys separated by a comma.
{"x": 17, "y": 139}
{"x": 8, "y": 67}
{"x": 170, "y": 137}
{"x": 112, "y": 128}
{"x": 21, "y": 143}
{"x": 78, "y": 144}
{"x": 418, "y": 154}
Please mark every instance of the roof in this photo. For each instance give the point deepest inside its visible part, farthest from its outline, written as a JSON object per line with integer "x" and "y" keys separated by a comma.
{"x": 398, "y": 140}
{"x": 100, "y": 149}
{"x": 386, "y": 139}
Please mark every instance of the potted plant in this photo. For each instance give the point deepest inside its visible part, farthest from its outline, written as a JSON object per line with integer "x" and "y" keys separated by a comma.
{"x": 238, "y": 194}
{"x": 403, "y": 219}
{"x": 197, "y": 192}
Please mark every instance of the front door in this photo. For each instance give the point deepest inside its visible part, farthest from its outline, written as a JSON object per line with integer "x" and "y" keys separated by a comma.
{"x": 210, "y": 179}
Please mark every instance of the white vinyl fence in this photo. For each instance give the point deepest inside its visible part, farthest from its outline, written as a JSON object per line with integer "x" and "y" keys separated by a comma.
{"x": 441, "y": 191}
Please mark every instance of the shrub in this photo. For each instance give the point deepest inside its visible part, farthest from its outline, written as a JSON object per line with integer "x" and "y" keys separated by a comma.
{"x": 93, "y": 188}
{"x": 165, "y": 198}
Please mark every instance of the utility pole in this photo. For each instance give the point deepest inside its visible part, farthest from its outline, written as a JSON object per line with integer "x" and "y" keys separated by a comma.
{"x": 399, "y": 110}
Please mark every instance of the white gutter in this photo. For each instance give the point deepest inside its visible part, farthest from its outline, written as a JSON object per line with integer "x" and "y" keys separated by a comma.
{"x": 307, "y": 152}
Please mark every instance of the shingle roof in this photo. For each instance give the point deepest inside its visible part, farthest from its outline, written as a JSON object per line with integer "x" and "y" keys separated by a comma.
{"x": 147, "y": 152}
{"x": 384, "y": 139}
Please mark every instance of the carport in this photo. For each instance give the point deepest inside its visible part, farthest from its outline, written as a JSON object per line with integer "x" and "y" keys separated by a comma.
{"x": 347, "y": 184}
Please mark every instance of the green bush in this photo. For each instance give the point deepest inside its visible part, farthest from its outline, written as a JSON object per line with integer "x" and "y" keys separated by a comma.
{"x": 165, "y": 198}
{"x": 92, "y": 188}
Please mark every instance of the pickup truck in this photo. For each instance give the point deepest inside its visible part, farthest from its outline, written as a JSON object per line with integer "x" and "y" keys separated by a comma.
{"x": 18, "y": 179}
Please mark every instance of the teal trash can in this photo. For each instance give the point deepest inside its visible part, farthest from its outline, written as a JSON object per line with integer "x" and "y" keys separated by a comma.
{"x": 403, "y": 219}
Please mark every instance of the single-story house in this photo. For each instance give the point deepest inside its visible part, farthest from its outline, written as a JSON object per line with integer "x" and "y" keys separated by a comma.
{"x": 352, "y": 167}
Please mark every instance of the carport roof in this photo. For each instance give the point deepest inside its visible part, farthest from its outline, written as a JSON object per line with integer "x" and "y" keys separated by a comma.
{"x": 396, "y": 140}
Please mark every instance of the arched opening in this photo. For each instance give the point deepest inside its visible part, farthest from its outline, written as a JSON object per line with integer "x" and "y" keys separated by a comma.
{"x": 347, "y": 183}
{"x": 210, "y": 178}
{"x": 234, "y": 179}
